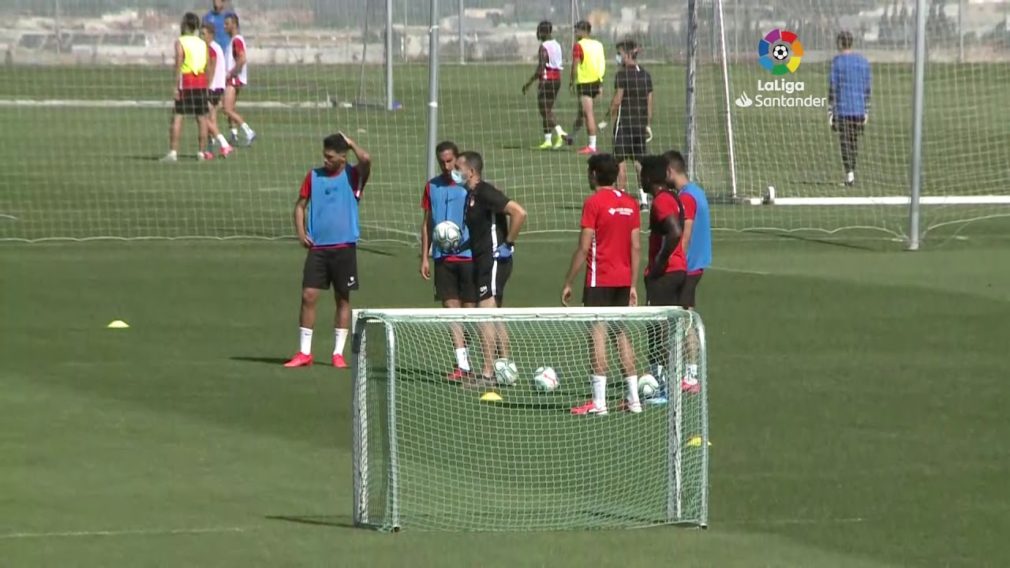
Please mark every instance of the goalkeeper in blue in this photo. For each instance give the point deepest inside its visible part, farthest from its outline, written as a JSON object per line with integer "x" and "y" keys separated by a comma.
{"x": 849, "y": 101}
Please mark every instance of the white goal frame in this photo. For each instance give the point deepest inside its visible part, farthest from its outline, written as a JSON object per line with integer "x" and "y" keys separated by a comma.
{"x": 389, "y": 317}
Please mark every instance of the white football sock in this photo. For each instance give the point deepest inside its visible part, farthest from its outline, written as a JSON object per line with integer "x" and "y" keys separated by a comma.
{"x": 248, "y": 131}
{"x": 462, "y": 359}
{"x": 234, "y": 132}
{"x": 547, "y": 137}
{"x": 222, "y": 141}
{"x": 305, "y": 340}
{"x": 592, "y": 142}
{"x": 632, "y": 383}
{"x": 599, "y": 391}
{"x": 692, "y": 371}
{"x": 341, "y": 336}
{"x": 643, "y": 196}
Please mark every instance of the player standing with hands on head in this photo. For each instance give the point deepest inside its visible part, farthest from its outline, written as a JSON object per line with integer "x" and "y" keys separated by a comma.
{"x": 609, "y": 245}
{"x": 548, "y": 76}
{"x": 494, "y": 222}
{"x": 697, "y": 242}
{"x": 631, "y": 113}
{"x": 586, "y": 80}
{"x": 849, "y": 101}
{"x": 236, "y": 80}
{"x": 326, "y": 222}
{"x": 445, "y": 200}
{"x": 190, "y": 92}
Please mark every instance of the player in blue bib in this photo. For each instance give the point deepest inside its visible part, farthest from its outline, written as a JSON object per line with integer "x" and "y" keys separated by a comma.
{"x": 445, "y": 200}
{"x": 326, "y": 221}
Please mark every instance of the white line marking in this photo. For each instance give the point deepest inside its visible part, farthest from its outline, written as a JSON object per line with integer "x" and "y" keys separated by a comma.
{"x": 848, "y": 520}
{"x": 6, "y": 216}
{"x": 130, "y": 532}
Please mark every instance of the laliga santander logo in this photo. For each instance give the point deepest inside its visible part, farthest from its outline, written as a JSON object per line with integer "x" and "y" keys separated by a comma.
{"x": 780, "y": 52}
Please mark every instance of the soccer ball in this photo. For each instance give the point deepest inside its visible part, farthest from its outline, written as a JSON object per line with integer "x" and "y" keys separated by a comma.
{"x": 545, "y": 379}
{"x": 648, "y": 386}
{"x": 505, "y": 372}
{"x": 780, "y": 52}
{"x": 447, "y": 236}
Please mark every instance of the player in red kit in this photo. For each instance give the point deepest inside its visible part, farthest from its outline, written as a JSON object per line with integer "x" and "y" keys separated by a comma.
{"x": 609, "y": 245}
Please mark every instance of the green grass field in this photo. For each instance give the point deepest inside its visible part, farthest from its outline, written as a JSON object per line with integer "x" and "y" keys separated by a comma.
{"x": 857, "y": 412}
{"x": 857, "y": 393}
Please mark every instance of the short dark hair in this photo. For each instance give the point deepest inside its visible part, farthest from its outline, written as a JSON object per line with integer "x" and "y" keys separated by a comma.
{"x": 447, "y": 145}
{"x": 474, "y": 160}
{"x": 653, "y": 171}
{"x": 604, "y": 167}
{"x": 583, "y": 26}
{"x": 628, "y": 46}
{"x": 209, "y": 27}
{"x": 844, "y": 39}
{"x": 336, "y": 142}
{"x": 190, "y": 23}
{"x": 676, "y": 160}
{"x": 233, "y": 16}
{"x": 545, "y": 28}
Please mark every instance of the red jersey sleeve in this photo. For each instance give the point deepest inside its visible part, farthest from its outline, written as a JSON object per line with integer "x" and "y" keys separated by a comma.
{"x": 589, "y": 214}
{"x": 690, "y": 206}
{"x": 426, "y": 197}
{"x": 666, "y": 206}
{"x": 306, "y": 191}
{"x": 238, "y": 48}
{"x": 211, "y": 55}
{"x": 577, "y": 52}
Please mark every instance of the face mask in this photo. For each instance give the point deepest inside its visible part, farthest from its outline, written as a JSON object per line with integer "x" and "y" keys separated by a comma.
{"x": 619, "y": 59}
{"x": 457, "y": 177}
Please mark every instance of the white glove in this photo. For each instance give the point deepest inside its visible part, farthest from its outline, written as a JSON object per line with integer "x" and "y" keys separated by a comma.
{"x": 648, "y": 132}
{"x": 602, "y": 125}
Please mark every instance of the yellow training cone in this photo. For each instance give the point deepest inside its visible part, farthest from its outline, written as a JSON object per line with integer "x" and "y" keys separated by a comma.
{"x": 118, "y": 324}
{"x": 695, "y": 442}
{"x": 490, "y": 397}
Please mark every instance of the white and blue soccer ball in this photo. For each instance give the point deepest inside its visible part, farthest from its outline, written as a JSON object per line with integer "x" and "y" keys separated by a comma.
{"x": 447, "y": 236}
{"x": 505, "y": 372}
{"x": 648, "y": 386}
{"x": 545, "y": 379}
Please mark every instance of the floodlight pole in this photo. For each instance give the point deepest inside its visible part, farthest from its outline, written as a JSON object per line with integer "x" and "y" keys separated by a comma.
{"x": 432, "y": 89}
{"x": 390, "y": 103}
{"x": 918, "y": 107}
{"x": 692, "y": 62}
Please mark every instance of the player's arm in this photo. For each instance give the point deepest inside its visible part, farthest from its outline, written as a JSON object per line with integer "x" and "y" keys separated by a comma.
{"x": 690, "y": 212}
{"x": 615, "y": 104}
{"x": 636, "y": 261}
{"x": 211, "y": 67}
{"x": 541, "y": 67}
{"x": 671, "y": 237}
{"x": 832, "y": 88}
{"x": 425, "y": 245}
{"x": 576, "y": 60}
{"x": 866, "y": 94}
{"x": 364, "y": 165}
{"x": 517, "y": 216}
{"x": 578, "y": 259}
{"x": 180, "y": 56}
{"x": 300, "y": 207}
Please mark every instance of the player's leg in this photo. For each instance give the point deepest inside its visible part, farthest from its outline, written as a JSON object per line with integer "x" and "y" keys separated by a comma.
{"x": 688, "y": 296}
{"x": 845, "y": 134}
{"x": 342, "y": 265}
{"x": 234, "y": 118}
{"x": 553, "y": 88}
{"x": 174, "y": 135}
{"x": 621, "y": 297}
{"x": 502, "y": 273}
{"x": 212, "y": 127}
{"x": 643, "y": 196}
{"x": 250, "y": 134}
{"x": 661, "y": 291}
{"x": 449, "y": 289}
{"x": 590, "y": 117}
{"x": 594, "y": 297}
{"x": 546, "y": 116}
{"x": 315, "y": 279}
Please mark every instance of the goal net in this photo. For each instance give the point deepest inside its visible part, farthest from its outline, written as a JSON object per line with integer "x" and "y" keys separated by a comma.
{"x": 87, "y": 85}
{"x": 430, "y": 453}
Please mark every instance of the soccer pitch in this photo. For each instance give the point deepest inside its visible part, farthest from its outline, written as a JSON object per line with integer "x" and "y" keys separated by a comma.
{"x": 858, "y": 394}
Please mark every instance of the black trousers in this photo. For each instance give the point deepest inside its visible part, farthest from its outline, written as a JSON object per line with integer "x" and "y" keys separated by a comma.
{"x": 849, "y": 129}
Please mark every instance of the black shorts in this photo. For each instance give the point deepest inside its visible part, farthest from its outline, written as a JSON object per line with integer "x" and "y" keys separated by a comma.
{"x": 690, "y": 290}
{"x": 214, "y": 96}
{"x": 606, "y": 297}
{"x": 490, "y": 278}
{"x": 629, "y": 142}
{"x": 665, "y": 290}
{"x": 591, "y": 90}
{"x": 338, "y": 266}
{"x": 192, "y": 102}
{"x": 455, "y": 281}
{"x": 547, "y": 93}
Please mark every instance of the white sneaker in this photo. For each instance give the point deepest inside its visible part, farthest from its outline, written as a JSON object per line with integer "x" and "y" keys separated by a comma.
{"x": 632, "y": 407}
{"x": 850, "y": 178}
{"x": 170, "y": 157}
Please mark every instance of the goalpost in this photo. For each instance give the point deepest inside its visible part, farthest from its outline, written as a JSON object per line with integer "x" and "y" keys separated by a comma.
{"x": 433, "y": 454}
